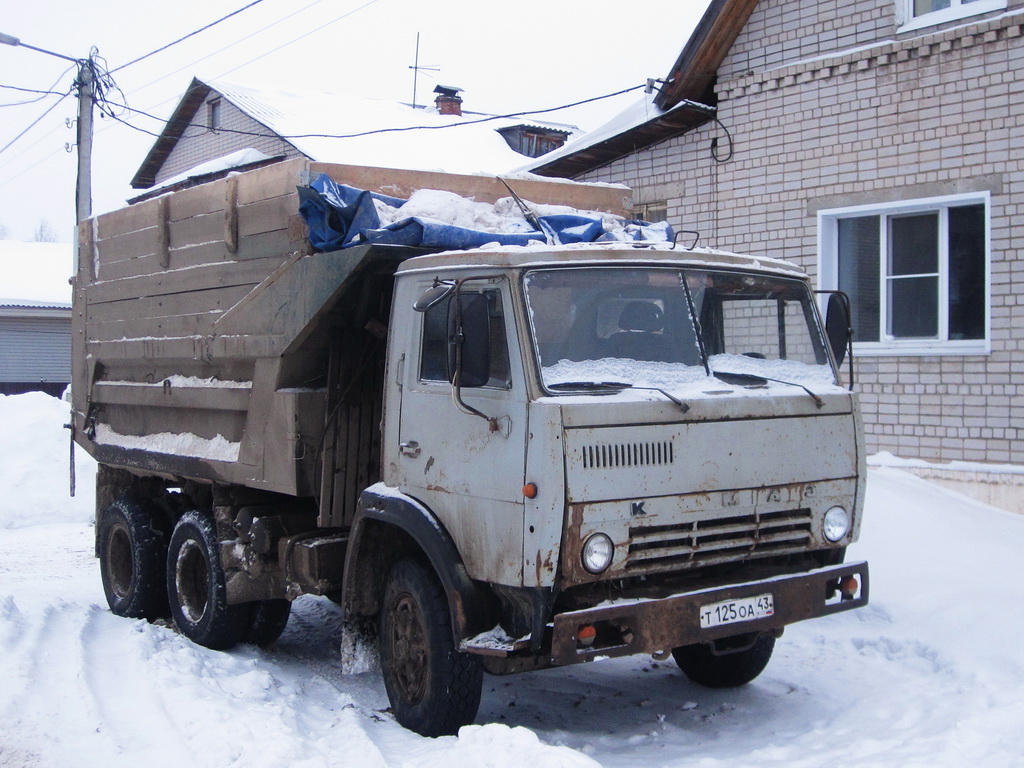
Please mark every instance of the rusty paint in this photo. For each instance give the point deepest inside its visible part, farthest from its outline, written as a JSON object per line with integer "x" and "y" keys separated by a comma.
{"x": 658, "y": 625}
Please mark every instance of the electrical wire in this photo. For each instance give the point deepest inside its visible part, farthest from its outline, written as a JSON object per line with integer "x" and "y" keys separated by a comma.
{"x": 34, "y": 123}
{"x": 375, "y": 131}
{"x": 300, "y": 37}
{"x": 43, "y": 94}
{"x": 186, "y": 37}
{"x": 221, "y": 50}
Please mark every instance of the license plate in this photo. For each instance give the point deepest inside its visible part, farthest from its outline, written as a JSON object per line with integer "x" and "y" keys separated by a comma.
{"x": 733, "y": 611}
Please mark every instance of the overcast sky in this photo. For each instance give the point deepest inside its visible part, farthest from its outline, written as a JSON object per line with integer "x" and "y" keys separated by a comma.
{"x": 508, "y": 57}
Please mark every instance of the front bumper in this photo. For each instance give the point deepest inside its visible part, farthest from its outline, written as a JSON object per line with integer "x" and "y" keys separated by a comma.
{"x": 659, "y": 625}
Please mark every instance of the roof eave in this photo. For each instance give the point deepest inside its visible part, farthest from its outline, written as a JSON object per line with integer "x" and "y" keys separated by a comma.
{"x": 675, "y": 123}
{"x": 698, "y": 62}
{"x": 179, "y": 120}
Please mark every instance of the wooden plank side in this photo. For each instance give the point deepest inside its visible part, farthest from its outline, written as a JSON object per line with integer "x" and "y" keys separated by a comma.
{"x": 202, "y": 228}
{"x": 196, "y": 201}
{"x": 270, "y": 181}
{"x": 157, "y": 395}
{"x": 177, "y": 326}
{"x": 140, "y": 265}
{"x": 128, "y": 219}
{"x": 216, "y": 275}
{"x": 267, "y": 215}
{"x": 110, "y": 351}
{"x": 486, "y": 189}
{"x": 281, "y": 242}
{"x": 148, "y": 307}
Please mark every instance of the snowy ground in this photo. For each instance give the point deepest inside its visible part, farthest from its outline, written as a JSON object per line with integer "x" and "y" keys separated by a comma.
{"x": 930, "y": 674}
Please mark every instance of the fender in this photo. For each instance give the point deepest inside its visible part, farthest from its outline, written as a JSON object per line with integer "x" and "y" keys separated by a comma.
{"x": 469, "y": 602}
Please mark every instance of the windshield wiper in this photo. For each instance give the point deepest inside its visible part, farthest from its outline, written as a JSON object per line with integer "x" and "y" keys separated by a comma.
{"x": 585, "y": 386}
{"x": 753, "y": 380}
{"x": 740, "y": 379}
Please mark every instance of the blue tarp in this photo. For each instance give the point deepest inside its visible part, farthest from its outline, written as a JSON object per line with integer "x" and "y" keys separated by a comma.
{"x": 339, "y": 216}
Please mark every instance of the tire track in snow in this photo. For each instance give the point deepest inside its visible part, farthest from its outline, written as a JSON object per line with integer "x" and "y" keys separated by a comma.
{"x": 131, "y": 708}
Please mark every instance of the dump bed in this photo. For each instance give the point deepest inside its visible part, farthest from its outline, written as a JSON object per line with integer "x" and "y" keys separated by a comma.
{"x": 211, "y": 342}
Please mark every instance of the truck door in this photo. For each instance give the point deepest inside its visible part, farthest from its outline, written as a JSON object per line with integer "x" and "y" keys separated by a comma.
{"x": 468, "y": 468}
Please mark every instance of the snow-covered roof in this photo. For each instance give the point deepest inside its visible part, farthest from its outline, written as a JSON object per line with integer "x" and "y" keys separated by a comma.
{"x": 629, "y": 129}
{"x": 35, "y": 275}
{"x": 355, "y": 130}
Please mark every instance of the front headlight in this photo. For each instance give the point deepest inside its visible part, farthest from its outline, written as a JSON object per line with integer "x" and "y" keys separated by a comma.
{"x": 597, "y": 553}
{"x": 836, "y": 524}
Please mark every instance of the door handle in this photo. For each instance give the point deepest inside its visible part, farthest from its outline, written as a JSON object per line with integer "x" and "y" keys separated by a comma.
{"x": 410, "y": 449}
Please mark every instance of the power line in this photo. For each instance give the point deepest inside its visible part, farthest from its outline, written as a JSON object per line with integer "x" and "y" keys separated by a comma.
{"x": 221, "y": 50}
{"x": 300, "y": 37}
{"x": 33, "y": 123}
{"x": 372, "y": 132}
{"x": 186, "y": 37}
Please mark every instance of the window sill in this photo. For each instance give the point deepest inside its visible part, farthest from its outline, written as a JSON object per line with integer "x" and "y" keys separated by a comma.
{"x": 952, "y": 14}
{"x": 922, "y": 348}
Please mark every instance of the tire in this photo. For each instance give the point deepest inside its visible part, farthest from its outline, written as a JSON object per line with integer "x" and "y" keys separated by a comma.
{"x": 433, "y": 689}
{"x": 132, "y": 552}
{"x": 267, "y": 621}
{"x": 726, "y": 670}
{"x": 196, "y": 587}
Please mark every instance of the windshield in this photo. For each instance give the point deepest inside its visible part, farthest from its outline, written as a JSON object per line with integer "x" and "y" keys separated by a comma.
{"x": 613, "y": 327}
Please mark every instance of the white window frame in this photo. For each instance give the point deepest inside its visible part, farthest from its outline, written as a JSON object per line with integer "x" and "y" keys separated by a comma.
{"x": 828, "y": 273}
{"x": 957, "y": 10}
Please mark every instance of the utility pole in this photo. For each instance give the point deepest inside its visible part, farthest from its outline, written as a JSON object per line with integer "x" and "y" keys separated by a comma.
{"x": 83, "y": 187}
{"x": 84, "y": 83}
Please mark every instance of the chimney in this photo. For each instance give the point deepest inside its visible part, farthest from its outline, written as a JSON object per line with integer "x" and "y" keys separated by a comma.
{"x": 448, "y": 101}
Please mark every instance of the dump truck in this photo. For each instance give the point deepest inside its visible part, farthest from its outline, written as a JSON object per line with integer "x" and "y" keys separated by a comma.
{"x": 499, "y": 458}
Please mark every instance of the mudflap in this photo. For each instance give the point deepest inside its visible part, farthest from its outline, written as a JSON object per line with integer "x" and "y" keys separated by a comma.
{"x": 359, "y": 646}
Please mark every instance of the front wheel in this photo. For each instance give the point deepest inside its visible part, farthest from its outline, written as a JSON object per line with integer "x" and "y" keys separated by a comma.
{"x": 196, "y": 587}
{"x": 433, "y": 689}
{"x": 725, "y": 669}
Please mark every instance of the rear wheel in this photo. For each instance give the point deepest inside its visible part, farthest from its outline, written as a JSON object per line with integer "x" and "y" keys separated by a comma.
{"x": 719, "y": 667}
{"x": 267, "y": 621}
{"x": 433, "y": 689}
{"x": 132, "y": 551}
{"x": 196, "y": 587}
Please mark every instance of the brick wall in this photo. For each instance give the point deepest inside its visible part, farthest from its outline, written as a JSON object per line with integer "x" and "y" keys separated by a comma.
{"x": 199, "y": 144}
{"x": 935, "y": 113}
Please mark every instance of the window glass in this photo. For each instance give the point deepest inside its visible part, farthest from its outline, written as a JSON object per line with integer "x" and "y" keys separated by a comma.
{"x": 434, "y": 348}
{"x": 932, "y": 286}
{"x": 858, "y": 272}
{"x": 967, "y": 272}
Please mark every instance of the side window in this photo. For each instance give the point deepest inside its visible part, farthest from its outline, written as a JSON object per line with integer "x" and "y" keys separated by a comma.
{"x": 924, "y": 13}
{"x": 434, "y": 343}
{"x": 915, "y": 273}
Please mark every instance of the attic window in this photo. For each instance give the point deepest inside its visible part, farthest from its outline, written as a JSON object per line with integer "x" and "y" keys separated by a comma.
{"x": 213, "y": 114}
{"x": 926, "y": 13}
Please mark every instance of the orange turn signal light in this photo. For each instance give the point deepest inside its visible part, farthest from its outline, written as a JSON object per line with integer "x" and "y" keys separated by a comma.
{"x": 849, "y": 585}
{"x": 530, "y": 490}
{"x": 586, "y": 635}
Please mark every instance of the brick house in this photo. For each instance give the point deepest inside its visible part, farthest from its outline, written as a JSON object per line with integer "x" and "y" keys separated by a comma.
{"x": 880, "y": 144}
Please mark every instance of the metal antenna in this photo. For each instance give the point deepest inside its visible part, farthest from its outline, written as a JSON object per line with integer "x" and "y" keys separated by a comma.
{"x": 416, "y": 70}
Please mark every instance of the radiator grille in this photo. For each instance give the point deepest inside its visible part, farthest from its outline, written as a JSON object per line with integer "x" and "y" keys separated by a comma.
{"x": 640, "y": 454}
{"x": 703, "y": 542}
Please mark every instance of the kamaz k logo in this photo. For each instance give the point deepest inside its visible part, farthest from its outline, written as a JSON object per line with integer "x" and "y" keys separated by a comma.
{"x": 637, "y": 508}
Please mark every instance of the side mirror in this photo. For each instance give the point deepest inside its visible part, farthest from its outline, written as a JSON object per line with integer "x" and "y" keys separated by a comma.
{"x": 837, "y": 325}
{"x": 469, "y": 340}
{"x": 432, "y": 296}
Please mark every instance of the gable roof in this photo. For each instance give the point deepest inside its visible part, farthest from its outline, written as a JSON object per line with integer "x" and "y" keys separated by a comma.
{"x": 354, "y": 130}
{"x": 673, "y": 111}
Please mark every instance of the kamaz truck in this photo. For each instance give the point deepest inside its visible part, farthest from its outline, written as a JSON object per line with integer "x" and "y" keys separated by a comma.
{"x": 495, "y": 457}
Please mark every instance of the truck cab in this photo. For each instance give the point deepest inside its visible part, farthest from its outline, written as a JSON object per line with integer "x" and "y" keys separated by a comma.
{"x": 631, "y": 450}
